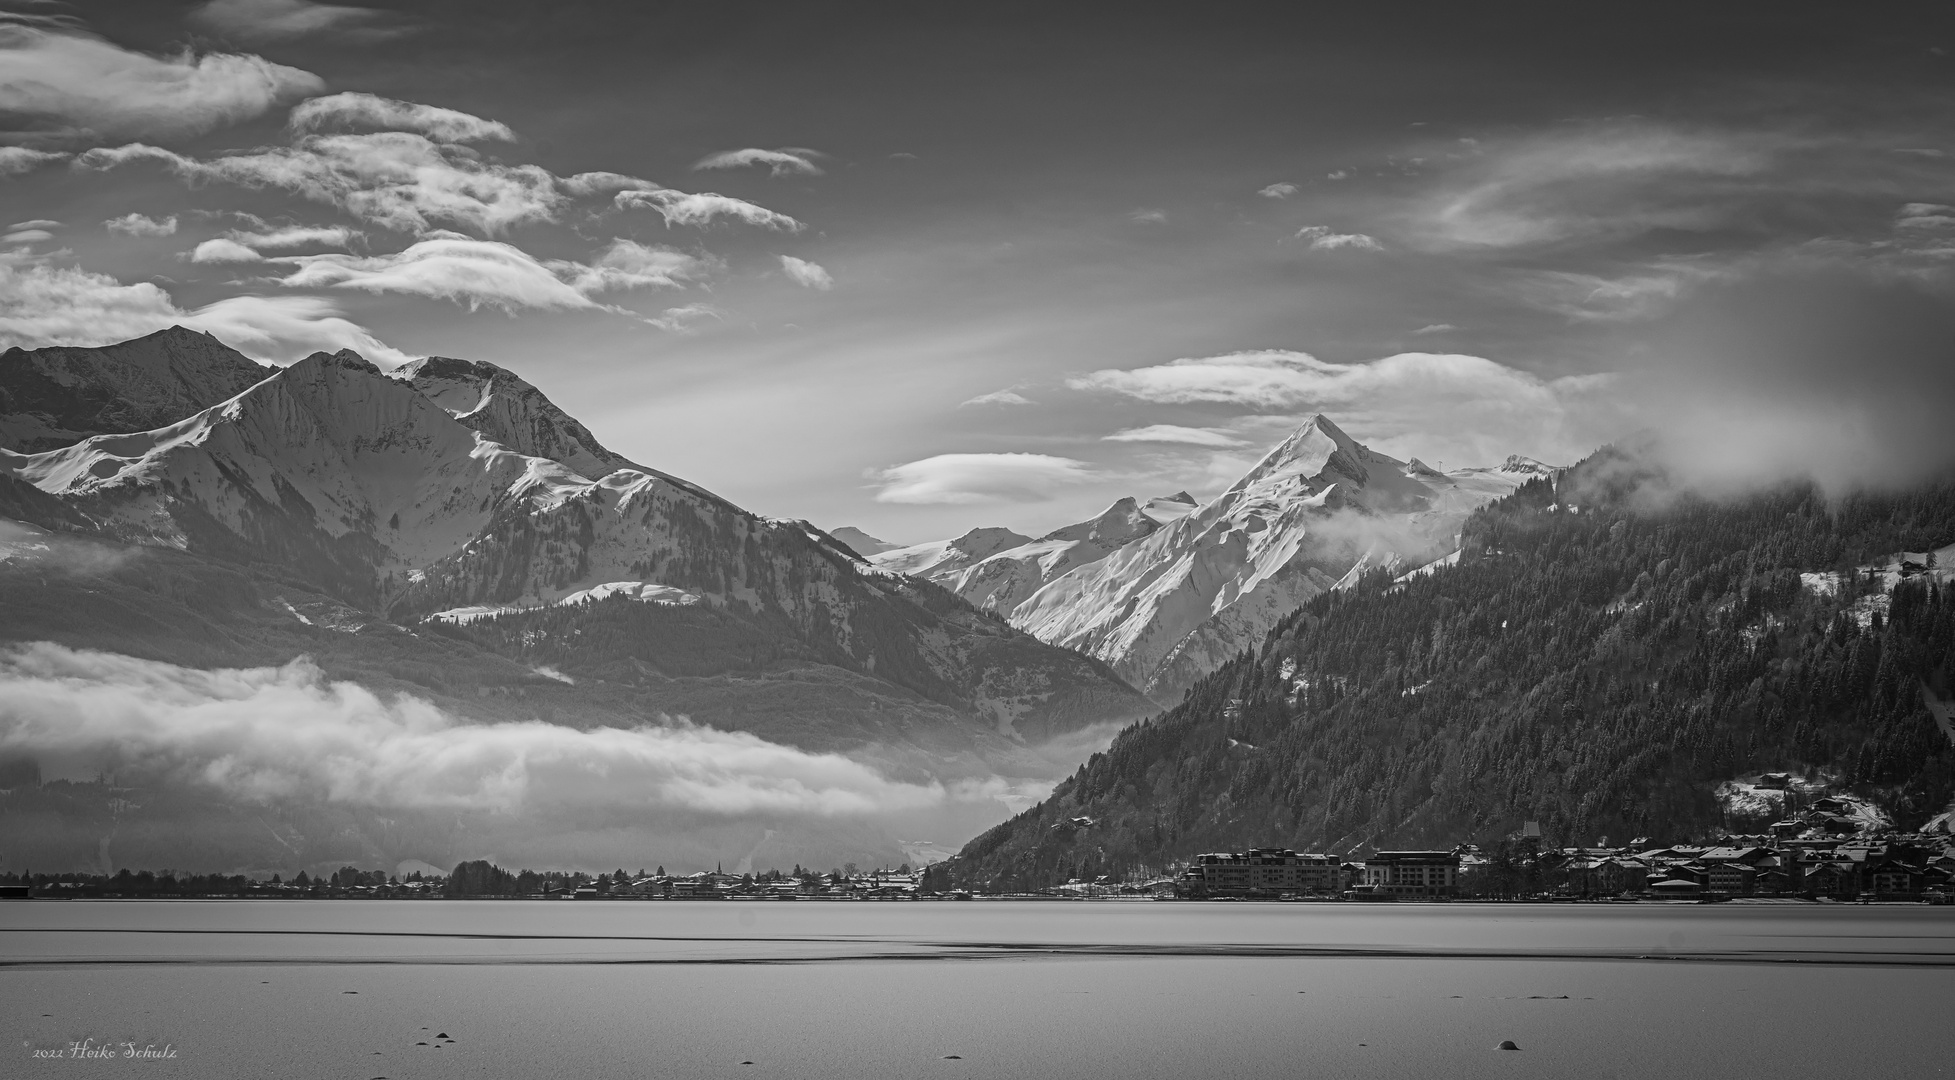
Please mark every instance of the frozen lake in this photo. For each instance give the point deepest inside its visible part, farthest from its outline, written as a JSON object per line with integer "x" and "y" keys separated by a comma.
{"x": 980, "y": 989}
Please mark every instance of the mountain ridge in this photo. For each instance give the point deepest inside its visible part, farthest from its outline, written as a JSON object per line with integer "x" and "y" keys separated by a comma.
{"x": 55, "y": 396}
{"x": 354, "y": 503}
{"x": 1168, "y": 591}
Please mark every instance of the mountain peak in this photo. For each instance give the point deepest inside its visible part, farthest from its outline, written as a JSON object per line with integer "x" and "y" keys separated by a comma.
{"x": 180, "y": 333}
{"x": 861, "y": 542}
{"x": 947, "y": 556}
{"x": 59, "y": 395}
{"x": 1318, "y": 444}
{"x": 1165, "y": 508}
{"x": 345, "y": 358}
{"x": 1117, "y": 524}
{"x": 1515, "y": 463}
{"x": 507, "y": 409}
{"x": 992, "y": 537}
{"x": 448, "y": 367}
{"x": 1320, "y": 422}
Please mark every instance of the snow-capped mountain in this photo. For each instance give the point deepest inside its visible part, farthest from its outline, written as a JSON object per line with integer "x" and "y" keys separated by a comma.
{"x": 997, "y": 569}
{"x": 399, "y": 496}
{"x": 55, "y": 396}
{"x": 1006, "y": 578}
{"x": 1165, "y": 599}
{"x": 939, "y": 559}
{"x": 507, "y": 409}
{"x": 1166, "y": 508}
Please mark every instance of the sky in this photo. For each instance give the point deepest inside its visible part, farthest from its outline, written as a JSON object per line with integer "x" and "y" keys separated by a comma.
{"x": 916, "y": 270}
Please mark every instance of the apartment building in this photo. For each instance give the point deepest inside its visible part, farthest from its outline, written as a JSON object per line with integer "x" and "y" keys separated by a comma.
{"x": 1413, "y": 873}
{"x": 1262, "y": 871}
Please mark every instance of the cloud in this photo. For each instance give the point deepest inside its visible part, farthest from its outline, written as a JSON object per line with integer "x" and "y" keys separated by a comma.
{"x": 220, "y": 250}
{"x": 396, "y": 179}
{"x": 48, "y": 305}
{"x": 682, "y": 208}
{"x": 139, "y": 225}
{"x": 1170, "y": 433}
{"x": 15, "y": 160}
{"x": 52, "y": 305}
{"x": 1430, "y": 404}
{"x": 1918, "y": 215}
{"x": 1436, "y": 328}
{"x": 287, "y": 20}
{"x": 338, "y": 236}
{"x": 784, "y": 162}
{"x": 602, "y": 183}
{"x": 407, "y": 181}
{"x": 1278, "y": 191}
{"x": 1341, "y": 174}
{"x": 36, "y": 223}
{"x": 1323, "y": 239}
{"x": 1276, "y": 379}
{"x": 287, "y": 328}
{"x": 370, "y": 111}
{"x": 478, "y": 272}
{"x": 26, "y": 236}
{"x": 627, "y": 264}
{"x": 1601, "y": 181}
{"x": 1009, "y": 396}
{"x": 249, "y": 247}
{"x": 682, "y": 320}
{"x": 78, "y": 87}
{"x": 285, "y": 735}
{"x": 979, "y": 478}
{"x": 1148, "y": 217}
{"x": 805, "y": 273}
{"x": 1642, "y": 293}
{"x": 1827, "y": 372}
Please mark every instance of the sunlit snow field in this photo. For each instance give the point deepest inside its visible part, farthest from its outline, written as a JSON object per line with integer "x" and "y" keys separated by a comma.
{"x": 982, "y": 989}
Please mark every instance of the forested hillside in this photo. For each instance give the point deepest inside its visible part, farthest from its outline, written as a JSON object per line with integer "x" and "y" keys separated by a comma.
{"x": 1598, "y": 661}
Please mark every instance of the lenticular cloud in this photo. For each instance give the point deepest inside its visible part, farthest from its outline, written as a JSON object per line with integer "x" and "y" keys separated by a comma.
{"x": 290, "y": 734}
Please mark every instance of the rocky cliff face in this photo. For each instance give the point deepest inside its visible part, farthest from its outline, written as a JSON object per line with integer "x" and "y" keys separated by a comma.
{"x": 57, "y": 396}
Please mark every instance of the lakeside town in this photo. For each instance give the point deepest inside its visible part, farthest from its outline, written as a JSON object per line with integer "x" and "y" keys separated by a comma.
{"x": 1825, "y": 853}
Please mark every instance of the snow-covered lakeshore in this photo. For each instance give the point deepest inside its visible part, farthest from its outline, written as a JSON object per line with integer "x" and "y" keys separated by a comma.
{"x": 412, "y": 989}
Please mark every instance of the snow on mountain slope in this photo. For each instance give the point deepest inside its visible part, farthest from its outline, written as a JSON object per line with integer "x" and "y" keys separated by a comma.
{"x": 1172, "y": 606}
{"x": 507, "y": 409}
{"x": 1002, "y": 580}
{"x": 326, "y": 460}
{"x": 332, "y": 473}
{"x": 642, "y": 591}
{"x": 1007, "y": 579}
{"x": 331, "y": 458}
{"x": 58, "y": 396}
{"x": 939, "y": 558}
{"x": 1166, "y": 508}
